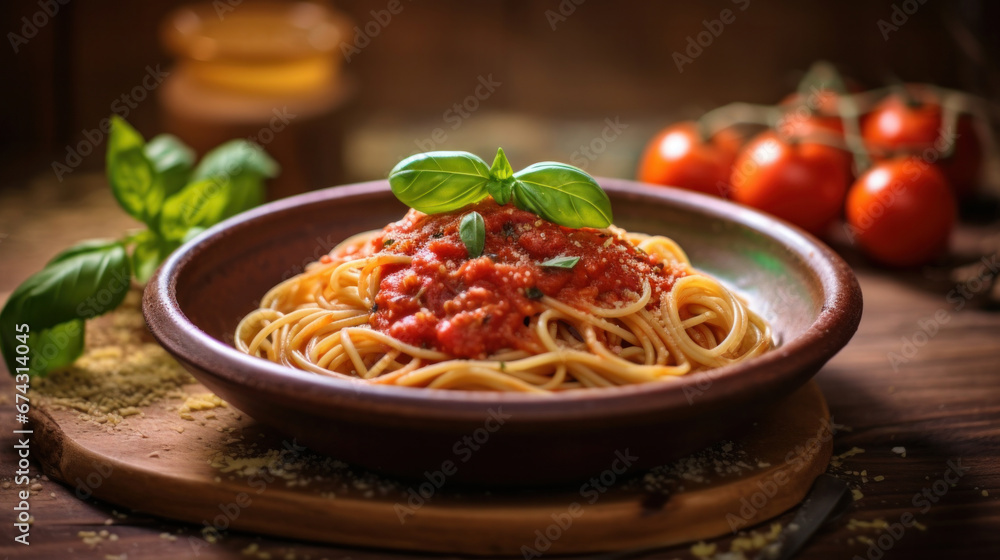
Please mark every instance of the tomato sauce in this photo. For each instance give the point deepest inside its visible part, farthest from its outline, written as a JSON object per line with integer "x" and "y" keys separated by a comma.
{"x": 472, "y": 308}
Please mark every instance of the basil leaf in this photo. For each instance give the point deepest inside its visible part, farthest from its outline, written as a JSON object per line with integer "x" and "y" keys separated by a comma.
{"x": 84, "y": 281}
{"x": 236, "y": 157}
{"x": 57, "y": 347}
{"x": 561, "y": 262}
{"x": 244, "y": 165}
{"x": 501, "y": 183}
{"x": 192, "y": 233}
{"x": 562, "y": 194}
{"x": 436, "y": 182}
{"x": 200, "y": 204}
{"x": 501, "y": 191}
{"x": 245, "y": 192}
{"x": 135, "y": 183}
{"x": 149, "y": 252}
{"x": 172, "y": 159}
{"x": 82, "y": 247}
{"x": 472, "y": 230}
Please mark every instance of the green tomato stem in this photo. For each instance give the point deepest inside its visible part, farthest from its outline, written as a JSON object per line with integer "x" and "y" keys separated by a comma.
{"x": 716, "y": 120}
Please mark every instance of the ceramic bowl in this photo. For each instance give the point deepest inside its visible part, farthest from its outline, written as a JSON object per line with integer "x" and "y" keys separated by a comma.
{"x": 809, "y": 295}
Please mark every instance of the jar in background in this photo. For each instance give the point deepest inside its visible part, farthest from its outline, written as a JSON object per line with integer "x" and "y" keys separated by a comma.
{"x": 266, "y": 71}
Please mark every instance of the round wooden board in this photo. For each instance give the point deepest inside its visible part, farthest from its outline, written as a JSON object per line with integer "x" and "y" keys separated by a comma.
{"x": 223, "y": 471}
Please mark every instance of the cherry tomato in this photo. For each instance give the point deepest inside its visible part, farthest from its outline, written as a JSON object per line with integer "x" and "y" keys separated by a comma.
{"x": 816, "y": 116}
{"x": 799, "y": 181}
{"x": 900, "y": 126}
{"x": 901, "y": 211}
{"x": 678, "y": 157}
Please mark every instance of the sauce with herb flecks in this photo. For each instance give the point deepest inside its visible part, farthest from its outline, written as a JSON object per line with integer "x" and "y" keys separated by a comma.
{"x": 472, "y": 308}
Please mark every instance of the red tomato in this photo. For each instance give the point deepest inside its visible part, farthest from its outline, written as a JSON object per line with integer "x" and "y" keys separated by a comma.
{"x": 815, "y": 116}
{"x": 801, "y": 182}
{"x": 898, "y": 128}
{"x": 678, "y": 157}
{"x": 902, "y": 211}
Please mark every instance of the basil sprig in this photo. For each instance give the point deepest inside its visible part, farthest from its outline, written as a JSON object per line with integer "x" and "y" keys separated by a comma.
{"x": 156, "y": 183}
{"x": 501, "y": 184}
{"x": 437, "y": 182}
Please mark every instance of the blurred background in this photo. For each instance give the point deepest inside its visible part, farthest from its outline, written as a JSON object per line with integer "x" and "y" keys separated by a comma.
{"x": 341, "y": 91}
{"x": 356, "y": 86}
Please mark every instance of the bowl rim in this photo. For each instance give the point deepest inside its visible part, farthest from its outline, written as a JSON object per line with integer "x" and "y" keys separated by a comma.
{"x": 834, "y": 326}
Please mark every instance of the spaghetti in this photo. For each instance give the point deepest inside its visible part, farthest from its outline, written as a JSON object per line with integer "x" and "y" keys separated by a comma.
{"x": 406, "y": 306}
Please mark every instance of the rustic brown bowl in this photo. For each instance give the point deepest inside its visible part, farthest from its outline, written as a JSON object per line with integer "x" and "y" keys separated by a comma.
{"x": 809, "y": 295}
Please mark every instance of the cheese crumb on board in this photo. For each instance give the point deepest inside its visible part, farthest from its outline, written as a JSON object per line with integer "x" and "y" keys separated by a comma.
{"x": 254, "y": 550}
{"x": 120, "y": 371}
{"x": 702, "y": 549}
{"x": 203, "y": 401}
{"x": 722, "y": 460}
{"x": 754, "y": 540}
{"x": 855, "y": 524}
{"x": 838, "y": 460}
{"x": 94, "y": 538}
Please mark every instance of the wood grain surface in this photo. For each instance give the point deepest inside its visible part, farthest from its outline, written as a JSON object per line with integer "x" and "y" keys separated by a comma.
{"x": 940, "y": 402}
{"x": 220, "y": 462}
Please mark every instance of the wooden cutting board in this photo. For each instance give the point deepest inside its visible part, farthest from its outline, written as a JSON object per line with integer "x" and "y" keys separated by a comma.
{"x": 219, "y": 469}
{"x": 127, "y": 425}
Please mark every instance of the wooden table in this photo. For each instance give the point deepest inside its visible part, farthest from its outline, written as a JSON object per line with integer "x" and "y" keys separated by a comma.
{"x": 922, "y": 374}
